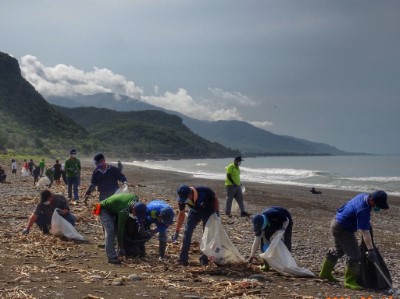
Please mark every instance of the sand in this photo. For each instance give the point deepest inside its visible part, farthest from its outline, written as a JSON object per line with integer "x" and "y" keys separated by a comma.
{"x": 37, "y": 266}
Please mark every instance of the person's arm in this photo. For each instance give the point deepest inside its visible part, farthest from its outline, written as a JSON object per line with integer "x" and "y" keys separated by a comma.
{"x": 254, "y": 247}
{"x": 31, "y": 221}
{"x": 367, "y": 239}
{"x": 285, "y": 224}
{"x": 216, "y": 204}
{"x": 179, "y": 223}
{"x": 229, "y": 176}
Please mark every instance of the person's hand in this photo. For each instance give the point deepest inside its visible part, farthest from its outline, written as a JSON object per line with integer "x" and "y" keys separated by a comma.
{"x": 142, "y": 230}
{"x": 372, "y": 256}
{"x": 25, "y": 231}
{"x": 250, "y": 259}
{"x": 283, "y": 228}
{"x": 175, "y": 237}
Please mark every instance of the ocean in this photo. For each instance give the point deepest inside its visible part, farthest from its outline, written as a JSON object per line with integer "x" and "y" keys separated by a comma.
{"x": 363, "y": 173}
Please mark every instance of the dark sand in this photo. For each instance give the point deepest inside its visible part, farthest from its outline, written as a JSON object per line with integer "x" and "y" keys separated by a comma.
{"x": 37, "y": 266}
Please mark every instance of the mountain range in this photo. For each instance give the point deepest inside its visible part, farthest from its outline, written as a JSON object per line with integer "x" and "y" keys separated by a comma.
{"x": 239, "y": 135}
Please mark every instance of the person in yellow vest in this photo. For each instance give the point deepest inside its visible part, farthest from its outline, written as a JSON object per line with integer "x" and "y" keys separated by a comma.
{"x": 233, "y": 188}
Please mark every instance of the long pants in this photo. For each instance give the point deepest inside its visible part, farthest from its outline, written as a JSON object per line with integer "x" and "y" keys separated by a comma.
{"x": 193, "y": 219}
{"x": 73, "y": 182}
{"x": 345, "y": 243}
{"x": 110, "y": 232}
{"x": 233, "y": 192}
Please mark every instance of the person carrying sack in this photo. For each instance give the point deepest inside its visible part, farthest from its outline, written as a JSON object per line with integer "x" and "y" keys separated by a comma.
{"x": 354, "y": 215}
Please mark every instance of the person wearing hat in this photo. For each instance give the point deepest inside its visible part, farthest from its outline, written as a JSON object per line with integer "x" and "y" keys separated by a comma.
{"x": 162, "y": 215}
{"x": 265, "y": 225}
{"x": 354, "y": 215}
{"x": 105, "y": 177}
{"x": 233, "y": 188}
{"x": 202, "y": 203}
{"x": 72, "y": 168}
{"x": 115, "y": 210}
{"x": 45, "y": 209}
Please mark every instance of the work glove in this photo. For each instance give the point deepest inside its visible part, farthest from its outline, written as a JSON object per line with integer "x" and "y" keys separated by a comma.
{"x": 175, "y": 237}
{"x": 372, "y": 256}
{"x": 25, "y": 231}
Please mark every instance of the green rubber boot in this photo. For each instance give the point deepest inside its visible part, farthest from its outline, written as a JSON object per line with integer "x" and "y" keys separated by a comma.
{"x": 350, "y": 278}
{"x": 326, "y": 271}
{"x": 265, "y": 266}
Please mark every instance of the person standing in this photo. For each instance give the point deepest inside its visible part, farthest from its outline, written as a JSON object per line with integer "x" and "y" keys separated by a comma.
{"x": 57, "y": 172}
{"x": 233, "y": 188}
{"x": 30, "y": 166}
{"x": 114, "y": 212}
{"x": 42, "y": 165}
{"x": 73, "y": 173}
{"x": 265, "y": 225}
{"x": 13, "y": 167}
{"x": 3, "y": 175}
{"x": 105, "y": 177}
{"x": 120, "y": 165}
{"x": 202, "y": 203}
{"x": 45, "y": 209}
{"x": 354, "y": 215}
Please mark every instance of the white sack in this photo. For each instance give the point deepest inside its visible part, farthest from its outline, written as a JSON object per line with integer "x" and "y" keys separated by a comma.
{"x": 216, "y": 244}
{"x": 121, "y": 190}
{"x": 280, "y": 258}
{"x": 44, "y": 181}
{"x": 61, "y": 227}
{"x": 24, "y": 172}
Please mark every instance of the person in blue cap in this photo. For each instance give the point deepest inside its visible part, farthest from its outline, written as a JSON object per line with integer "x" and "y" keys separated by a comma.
{"x": 202, "y": 203}
{"x": 354, "y": 215}
{"x": 158, "y": 212}
{"x": 265, "y": 225}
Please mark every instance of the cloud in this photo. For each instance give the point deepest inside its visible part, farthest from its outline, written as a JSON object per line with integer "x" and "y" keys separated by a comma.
{"x": 266, "y": 125}
{"x": 67, "y": 81}
{"x": 63, "y": 80}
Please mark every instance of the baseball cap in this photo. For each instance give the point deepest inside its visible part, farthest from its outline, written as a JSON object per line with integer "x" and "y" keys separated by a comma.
{"x": 380, "y": 199}
{"x": 140, "y": 210}
{"x": 72, "y": 152}
{"x": 259, "y": 223}
{"x": 183, "y": 193}
{"x": 98, "y": 158}
{"x": 239, "y": 159}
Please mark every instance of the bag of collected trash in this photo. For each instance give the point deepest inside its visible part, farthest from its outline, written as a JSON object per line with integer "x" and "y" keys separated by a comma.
{"x": 123, "y": 189}
{"x": 216, "y": 244}
{"x": 24, "y": 172}
{"x": 61, "y": 227}
{"x": 280, "y": 258}
{"x": 369, "y": 276}
{"x": 44, "y": 181}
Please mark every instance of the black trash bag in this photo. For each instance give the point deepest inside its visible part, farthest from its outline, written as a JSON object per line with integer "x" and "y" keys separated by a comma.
{"x": 133, "y": 241}
{"x": 369, "y": 276}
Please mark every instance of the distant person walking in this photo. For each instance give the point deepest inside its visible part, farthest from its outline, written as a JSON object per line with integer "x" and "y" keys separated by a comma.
{"x": 233, "y": 188}
{"x": 25, "y": 165}
{"x": 30, "y": 166}
{"x": 57, "y": 172}
{"x": 13, "y": 167}
{"x": 3, "y": 175}
{"x": 73, "y": 171}
{"x": 120, "y": 165}
{"x": 42, "y": 166}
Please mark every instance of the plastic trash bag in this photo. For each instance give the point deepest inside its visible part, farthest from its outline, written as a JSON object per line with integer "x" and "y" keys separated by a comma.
{"x": 44, "y": 181}
{"x": 61, "y": 227}
{"x": 123, "y": 189}
{"x": 216, "y": 244}
{"x": 24, "y": 172}
{"x": 280, "y": 258}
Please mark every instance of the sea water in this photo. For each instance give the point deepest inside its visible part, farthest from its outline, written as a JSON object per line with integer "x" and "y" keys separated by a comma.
{"x": 363, "y": 173}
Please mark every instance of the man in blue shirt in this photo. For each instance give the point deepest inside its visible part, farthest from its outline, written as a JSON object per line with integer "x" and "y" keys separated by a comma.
{"x": 353, "y": 216}
{"x": 105, "y": 177}
{"x": 162, "y": 215}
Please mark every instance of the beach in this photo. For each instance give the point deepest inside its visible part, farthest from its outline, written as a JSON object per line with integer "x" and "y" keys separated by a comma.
{"x": 37, "y": 266}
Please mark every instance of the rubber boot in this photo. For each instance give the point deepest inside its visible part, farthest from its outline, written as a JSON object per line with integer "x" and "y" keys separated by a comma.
{"x": 161, "y": 249}
{"x": 350, "y": 278}
{"x": 326, "y": 271}
{"x": 265, "y": 266}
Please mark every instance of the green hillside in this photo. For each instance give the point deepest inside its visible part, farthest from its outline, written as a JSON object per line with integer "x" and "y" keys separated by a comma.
{"x": 144, "y": 133}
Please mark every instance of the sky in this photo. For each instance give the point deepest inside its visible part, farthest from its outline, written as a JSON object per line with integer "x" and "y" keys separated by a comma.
{"x": 322, "y": 70}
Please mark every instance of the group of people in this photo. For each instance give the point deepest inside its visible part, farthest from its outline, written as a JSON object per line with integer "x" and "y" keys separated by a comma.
{"x": 125, "y": 218}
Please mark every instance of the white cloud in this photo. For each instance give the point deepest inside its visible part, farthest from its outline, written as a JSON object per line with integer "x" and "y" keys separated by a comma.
{"x": 63, "y": 80}
{"x": 262, "y": 124}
